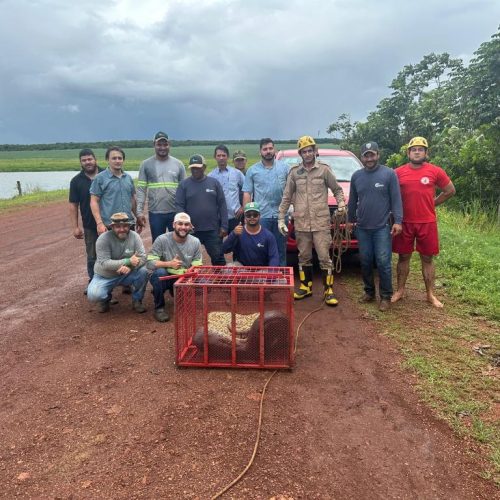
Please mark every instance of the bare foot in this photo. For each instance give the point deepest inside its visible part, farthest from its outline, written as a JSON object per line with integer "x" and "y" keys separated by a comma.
{"x": 398, "y": 295}
{"x": 435, "y": 302}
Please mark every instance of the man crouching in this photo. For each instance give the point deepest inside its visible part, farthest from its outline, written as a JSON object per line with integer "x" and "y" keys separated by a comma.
{"x": 120, "y": 261}
{"x": 172, "y": 254}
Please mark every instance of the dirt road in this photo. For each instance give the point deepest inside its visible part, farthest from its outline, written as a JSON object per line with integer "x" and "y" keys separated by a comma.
{"x": 92, "y": 405}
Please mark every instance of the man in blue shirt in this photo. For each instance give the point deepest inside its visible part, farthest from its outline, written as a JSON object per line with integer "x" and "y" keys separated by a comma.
{"x": 374, "y": 196}
{"x": 264, "y": 183}
{"x": 202, "y": 198}
{"x": 113, "y": 191}
{"x": 231, "y": 181}
{"x": 253, "y": 244}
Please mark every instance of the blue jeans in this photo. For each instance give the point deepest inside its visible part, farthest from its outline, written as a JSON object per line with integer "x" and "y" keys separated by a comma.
{"x": 161, "y": 286}
{"x": 375, "y": 245}
{"x": 213, "y": 246}
{"x": 100, "y": 288}
{"x": 160, "y": 222}
{"x": 272, "y": 225}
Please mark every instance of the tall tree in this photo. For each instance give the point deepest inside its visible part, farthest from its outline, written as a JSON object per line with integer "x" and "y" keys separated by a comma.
{"x": 478, "y": 87}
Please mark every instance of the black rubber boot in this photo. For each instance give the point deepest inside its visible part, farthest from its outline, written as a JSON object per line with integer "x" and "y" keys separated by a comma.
{"x": 306, "y": 282}
{"x": 330, "y": 299}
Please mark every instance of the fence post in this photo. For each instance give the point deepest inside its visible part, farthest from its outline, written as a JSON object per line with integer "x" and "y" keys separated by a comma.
{"x": 19, "y": 188}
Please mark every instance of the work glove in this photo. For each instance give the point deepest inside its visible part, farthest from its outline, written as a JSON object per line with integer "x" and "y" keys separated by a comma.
{"x": 282, "y": 228}
{"x": 340, "y": 208}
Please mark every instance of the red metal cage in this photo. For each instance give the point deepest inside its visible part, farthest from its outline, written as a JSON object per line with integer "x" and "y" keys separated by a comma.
{"x": 237, "y": 317}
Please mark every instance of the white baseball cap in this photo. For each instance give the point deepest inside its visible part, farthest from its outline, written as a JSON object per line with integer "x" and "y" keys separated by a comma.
{"x": 183, "y": 217}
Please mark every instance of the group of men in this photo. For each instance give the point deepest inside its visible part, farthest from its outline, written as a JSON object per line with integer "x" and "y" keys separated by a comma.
{"x": 245, "y": 212}
{"x": 184, "y": 212}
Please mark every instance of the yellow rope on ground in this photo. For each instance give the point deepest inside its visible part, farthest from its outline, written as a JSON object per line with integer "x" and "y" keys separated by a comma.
{"x": 256, "y": 446}
{"x": 259, "y": 426}
{"x": 301, "y": 323}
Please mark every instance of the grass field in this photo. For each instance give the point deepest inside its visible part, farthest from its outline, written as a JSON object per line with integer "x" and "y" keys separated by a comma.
{"x": 455, "y": 352}
{"x": 34, "y": 199}
{"x": 469, "y": 264}
{"x": 53, "y": 160}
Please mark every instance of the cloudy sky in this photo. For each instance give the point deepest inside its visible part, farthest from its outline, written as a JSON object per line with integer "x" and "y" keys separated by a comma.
{"x": 214, "y": 69}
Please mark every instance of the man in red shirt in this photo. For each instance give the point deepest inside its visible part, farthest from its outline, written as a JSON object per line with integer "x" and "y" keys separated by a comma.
{"x": 418, "y": 181}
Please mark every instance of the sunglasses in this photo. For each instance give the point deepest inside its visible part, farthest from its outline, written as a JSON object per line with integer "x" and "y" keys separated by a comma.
{"x": 252, "y": 215}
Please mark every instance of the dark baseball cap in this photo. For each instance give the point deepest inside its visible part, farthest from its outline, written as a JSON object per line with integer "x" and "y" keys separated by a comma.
{"x": 159, "y": 136}
{"x": 240, "y": 154}
{"x": 369, "y": 147}
{"x": 196, "y": 161}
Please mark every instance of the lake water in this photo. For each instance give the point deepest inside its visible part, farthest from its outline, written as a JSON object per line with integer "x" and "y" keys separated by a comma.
{"x": 47, "y": 181}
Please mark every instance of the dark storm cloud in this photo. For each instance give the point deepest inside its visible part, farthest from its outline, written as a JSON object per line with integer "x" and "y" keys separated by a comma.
{"x": 213, "y": 69}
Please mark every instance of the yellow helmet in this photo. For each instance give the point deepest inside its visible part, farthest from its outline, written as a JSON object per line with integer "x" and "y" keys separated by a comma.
{"x": 304, "y": 141}
{"x": 418, "y": 141}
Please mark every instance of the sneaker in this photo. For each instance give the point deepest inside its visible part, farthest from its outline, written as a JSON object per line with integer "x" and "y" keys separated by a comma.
{"x": 103, "y": 306}
{"x": 138, "y": 306}
{"x": 113, "y": 301}
{"x": 161, "y": 315}
{"x": 366, "y": 298}
{"x": 384, "y": 305}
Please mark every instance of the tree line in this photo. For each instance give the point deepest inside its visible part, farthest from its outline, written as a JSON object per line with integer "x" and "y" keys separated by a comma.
{"x": 456, "y": 107}
{"x": 142, "y": 143}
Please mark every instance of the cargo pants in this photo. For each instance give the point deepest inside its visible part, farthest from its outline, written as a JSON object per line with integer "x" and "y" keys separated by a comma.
{"x": 322, "y": 241}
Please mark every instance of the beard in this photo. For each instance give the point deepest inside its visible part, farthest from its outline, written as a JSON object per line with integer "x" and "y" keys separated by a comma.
{"x": 90, "y": 169}
{"x": 122, "y": 235}
{"x": 419, "y": 161}
{"x": 182, "y": 234}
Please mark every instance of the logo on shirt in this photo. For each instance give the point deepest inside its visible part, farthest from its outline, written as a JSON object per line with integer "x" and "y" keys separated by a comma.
{"x": 260, "y": 245}
{"x": 208, "y": 190}
{"x": 425, "y": 180}
{"x": 378, "y": 185}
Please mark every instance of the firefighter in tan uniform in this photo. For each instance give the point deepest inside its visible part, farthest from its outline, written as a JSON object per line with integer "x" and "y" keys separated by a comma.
{"x": 307, "y": 186}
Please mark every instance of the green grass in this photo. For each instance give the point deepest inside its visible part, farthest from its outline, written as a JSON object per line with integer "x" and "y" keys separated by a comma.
{"x": 440, "y": 346}
{"x": 57, "y": 160}
{"x": 34, "y": 199}
{"x": 468, "y": 266}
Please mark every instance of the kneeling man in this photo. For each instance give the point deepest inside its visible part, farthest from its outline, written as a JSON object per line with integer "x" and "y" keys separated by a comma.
{"x": 253, "y": 244}
{"x": 172, "y": 254}
{"x": 120, "y": 261}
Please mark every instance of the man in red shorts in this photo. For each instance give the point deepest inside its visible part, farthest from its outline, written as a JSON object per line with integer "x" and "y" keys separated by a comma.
{"x": 418, "y": 181}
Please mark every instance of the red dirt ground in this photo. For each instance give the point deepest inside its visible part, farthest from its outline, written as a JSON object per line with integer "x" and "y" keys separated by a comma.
{"x": 92, "y": 405}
